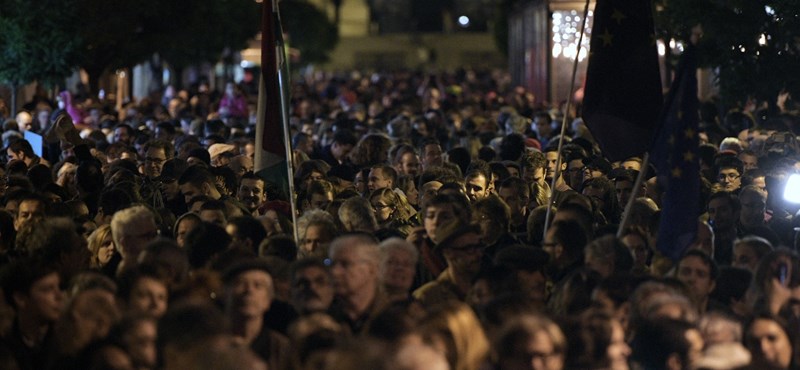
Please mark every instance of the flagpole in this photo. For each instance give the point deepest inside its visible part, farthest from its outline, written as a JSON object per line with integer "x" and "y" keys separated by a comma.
{"x": 557, "y": 173}
{"x": 634, "y": 192}
{"x": 283, "y": 84}
{"x": 273, "y": 110}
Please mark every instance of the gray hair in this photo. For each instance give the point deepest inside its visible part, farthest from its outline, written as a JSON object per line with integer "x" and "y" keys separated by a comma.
{"x": 124, "y": 219}
{"x": 396, "y": 243}
{"x": 356, "y": 215}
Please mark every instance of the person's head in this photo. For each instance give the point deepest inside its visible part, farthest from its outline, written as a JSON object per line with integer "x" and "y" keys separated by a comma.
{"x": 769, "y": 340}
{"x": 132, "y": 228}
{"x": 493, "y": 216}
{"x": 398, "y": 265}
{"x": 311, "y": 286}
{"x": 157, "y": 152}
{"x": 635, "y": 239}
{"x": 455, "y": 329}
{"x": 478, "y": 184}
{"x": 183, "y": 225}
{"x": 666, "y": 344}
{"x": 20, "y": 150}
{"x": 565, "y": 241}
{"x": 749, "y": 159}
{"x": 552, "y": 156}
{"x": 388, "y": 206}
{"x": 214, "y": 211}
{"x": 198, "y": 180}
{"x": 595, "y": 340}
{"x": 241, "y": 164}
{"x": 723, "y": 210}
{"x": 101, "y": 245}
{"x": 355, "y": 265}
{"x": 316, "y": 230}
{"x": 381, "y": 176}
{"x": 408, "y": 164}
{"x": 530, "y": 342}
{"x": 356, "y": 214}
{"x": 729, "y": 173}
{"x": 533, "y": 167}
{"x": 343, "y": 143}
{"x": 137, "y": 335}
{"x": 748, "y": 252}
{"x": 607, "y": 255}
{"x": 30, "y": 207}
{"x": 249, "y": 289}
{"x": 462, "y": 247}
{"x": 753, "y": 205}
{"x": 32, "y": 288}
{"x": 516, "y": 194}
{"x": 443, "y": 209}
{"x": 699, "y": 272}
{"x": 431, "y": 154}
{"x": 252, "y": 191}
{"x": 123, "y": 134}
{"x": 144, "y": 290}
{"x": 246, "y": 232}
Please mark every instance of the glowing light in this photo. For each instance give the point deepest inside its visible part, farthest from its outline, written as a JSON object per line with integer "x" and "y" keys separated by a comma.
{"x": 791, "y": 192}
{"x": 463, "y": 21}
{"x": 566, "y": 32}
{"x": 662, "y": 49}
{"x": 762, "y": 40}
{"x": 769, "y": 10}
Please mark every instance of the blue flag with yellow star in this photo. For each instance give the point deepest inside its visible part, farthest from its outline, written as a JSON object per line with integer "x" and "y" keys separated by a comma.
{"x": 623, "y": 98}
{"x": 675, "y": 155}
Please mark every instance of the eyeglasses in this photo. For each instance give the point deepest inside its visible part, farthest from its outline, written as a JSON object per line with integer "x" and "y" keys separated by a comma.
{"x": 469, "y": 248}
{"x": 728, "y": 176}
{"x": 158, "y": 161}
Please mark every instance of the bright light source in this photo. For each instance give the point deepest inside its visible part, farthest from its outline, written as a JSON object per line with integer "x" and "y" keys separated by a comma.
{"x": 762, "y": 40}
{"x": 769, "y": 10}
{"x": 463, "y": 21}
{"x": 792, "y": 191}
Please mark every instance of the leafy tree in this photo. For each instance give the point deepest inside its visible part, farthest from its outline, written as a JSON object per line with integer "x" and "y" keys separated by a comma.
{"x": 753, "y": 45}
{"x": 309, "y": 30}
{"x": 206, "y": 28}
{"x": 37, "y": 43}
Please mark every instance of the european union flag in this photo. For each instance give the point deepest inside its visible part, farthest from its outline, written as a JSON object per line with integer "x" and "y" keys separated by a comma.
{"x": 675, "y": 155}
{"x": 623, "y": 96}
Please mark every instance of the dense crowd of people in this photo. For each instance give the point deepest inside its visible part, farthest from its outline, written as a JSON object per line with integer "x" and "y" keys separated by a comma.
{"x": 141, "y": 238}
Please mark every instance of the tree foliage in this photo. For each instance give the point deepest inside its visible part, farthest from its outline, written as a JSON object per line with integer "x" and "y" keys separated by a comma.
{"x": 754, "y": 45}
{"x": 35, "y": 43}
{"x": 206, "y": 28}
{"x": 309, "y": 30}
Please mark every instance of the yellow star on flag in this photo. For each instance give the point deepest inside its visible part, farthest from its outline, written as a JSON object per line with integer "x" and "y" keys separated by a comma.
{"x": 688, "y": 156}
{"x": 607, "y": 37}
{"x": 617, "y": 16}
{"x": 677, "y": 173}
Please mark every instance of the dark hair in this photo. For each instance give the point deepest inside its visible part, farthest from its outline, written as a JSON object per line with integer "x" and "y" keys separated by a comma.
{"x": 248, "y": 228}
{"x": 204, "y": 242}
{"x": 23, "y": 146}
{"x": 20, "y": 275}
{"x": 707, "y": 260}
{"x": 197, "y": 176}
{"x": 128, "y": 279}
{"x": 657, "y": 339}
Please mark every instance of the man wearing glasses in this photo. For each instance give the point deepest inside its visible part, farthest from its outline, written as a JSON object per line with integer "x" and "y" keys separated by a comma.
{"x": 462, "y": 248}
{"x": 729, "y": 174}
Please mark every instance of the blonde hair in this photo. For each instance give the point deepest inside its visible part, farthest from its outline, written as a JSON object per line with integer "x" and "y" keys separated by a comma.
{"x": 95, "y": 240}
{"x": 455, "y": 324}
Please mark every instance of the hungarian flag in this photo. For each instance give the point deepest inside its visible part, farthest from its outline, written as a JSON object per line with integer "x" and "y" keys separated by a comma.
{"x": 675, "y": 154}
{"x": 273, "y": 154}
{"x": 623, "y": 99}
